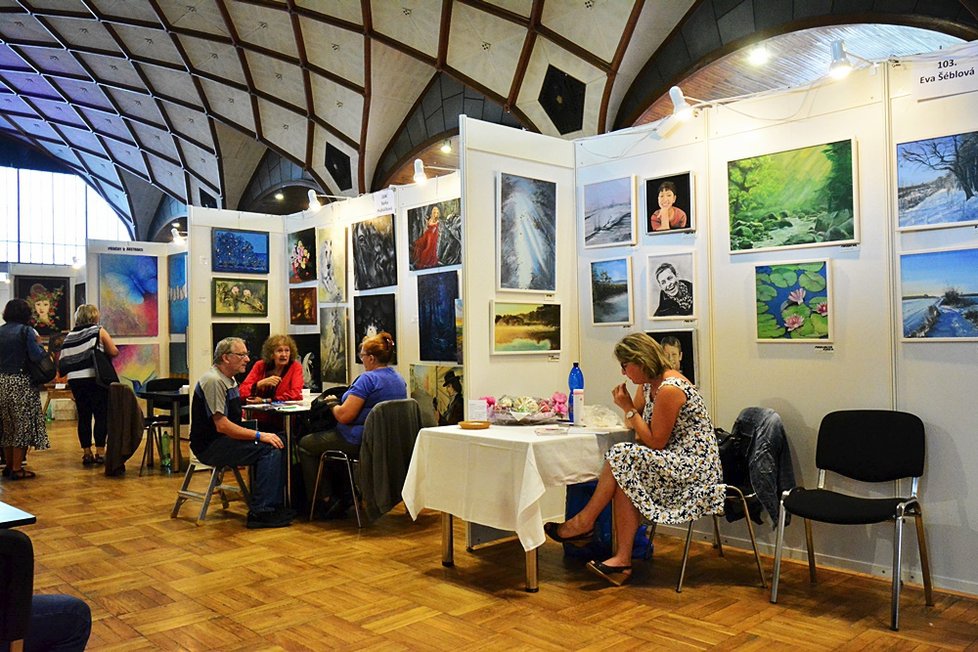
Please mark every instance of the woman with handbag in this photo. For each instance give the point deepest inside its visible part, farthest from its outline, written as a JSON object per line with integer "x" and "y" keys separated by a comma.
{"x": 78, "y": 363}
{"x": 21, "y": 421}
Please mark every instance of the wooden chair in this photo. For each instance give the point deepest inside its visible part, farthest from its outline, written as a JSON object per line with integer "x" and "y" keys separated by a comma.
{"x": 215, "y": 484}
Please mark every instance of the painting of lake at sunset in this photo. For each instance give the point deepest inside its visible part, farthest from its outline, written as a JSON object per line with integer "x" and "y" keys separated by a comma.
{"x": 525, "y": 327}
{"x": 939, "y": 295}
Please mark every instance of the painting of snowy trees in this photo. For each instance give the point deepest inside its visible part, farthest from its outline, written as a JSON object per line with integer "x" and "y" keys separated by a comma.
{"x": 937, "y": 182}
{"x": 609, "y": 213}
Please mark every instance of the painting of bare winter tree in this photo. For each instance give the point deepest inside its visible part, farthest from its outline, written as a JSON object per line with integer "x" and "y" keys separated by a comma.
{"x": 937, "y": 182}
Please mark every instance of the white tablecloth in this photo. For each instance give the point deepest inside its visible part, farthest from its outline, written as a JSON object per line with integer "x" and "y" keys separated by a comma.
{"x": 497, "y": 476}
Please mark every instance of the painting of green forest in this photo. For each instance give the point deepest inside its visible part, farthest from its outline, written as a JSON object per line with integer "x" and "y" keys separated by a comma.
{"x": 798, "y": 198}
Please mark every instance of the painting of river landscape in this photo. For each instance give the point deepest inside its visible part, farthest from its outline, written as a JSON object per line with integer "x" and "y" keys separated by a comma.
{"x": 939, "y": 295}
{"x": 609, "y": 213}
{"x": 519, "y": 327}
{"x": 611, "y": 292}
{"x": 937, "y": 182}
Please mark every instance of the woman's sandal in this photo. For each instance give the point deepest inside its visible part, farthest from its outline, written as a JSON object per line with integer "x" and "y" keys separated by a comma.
{"x": 99, "y": 459}
{"x": 577, "y": 540}
{"x": 88, "y": 459}
{"x": 617, "y": 575}
{"x": 22, "y": 474}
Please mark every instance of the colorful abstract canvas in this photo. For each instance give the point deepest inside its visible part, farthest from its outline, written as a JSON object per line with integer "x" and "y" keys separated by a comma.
{"x": 302, "y": 256}
{"x": 373, "y": 314}
{"x": 435, "y": 234}
{"x": 332, "y": 264}
{"x": 178, "y": 306}
{"x": 436, "y": 316}
{"x": 793, "y": 302}
{"x": 374, "y": 256}
{"x": 49, "y": 302}
{"x": 525, "y": 327}
{"x": 609, "y": 213}
{"x": 309, "y": 357}
{"x": 333, "y": 345}
{"x": 237, "y": 296}
{"x": 939, "y": 295}
{"x": 128, "y": 295}
{"x": 253, "y": 334}
{"x": 239, "y": 252}
{"x": 137, "y": 364}
{"x": 302, "y": 306}
{"x": 937, "y": 184}
{"x": 526, "y": 233}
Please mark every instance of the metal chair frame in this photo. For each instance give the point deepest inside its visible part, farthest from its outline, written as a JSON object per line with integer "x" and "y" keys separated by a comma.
{"x": 215, "y": 485}
{"x": 349, "y": 462}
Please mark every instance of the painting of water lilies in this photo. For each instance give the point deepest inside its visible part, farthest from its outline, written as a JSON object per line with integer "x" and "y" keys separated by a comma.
{"x": 798, "y": 198}
{"x": 937, "y": 182}
{"x": 609, "y": 213}
{"x": 526, "y": 233}
{"x": 939, "y": 295}
{"x": 793, "y": 302}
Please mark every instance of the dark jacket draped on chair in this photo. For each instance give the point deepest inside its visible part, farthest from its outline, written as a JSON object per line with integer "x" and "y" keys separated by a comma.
{"x": 385, "y": 453}
{"x": 125, "y": 428}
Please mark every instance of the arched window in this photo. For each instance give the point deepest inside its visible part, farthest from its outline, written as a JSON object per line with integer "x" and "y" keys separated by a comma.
{"x": 46, "y": 217}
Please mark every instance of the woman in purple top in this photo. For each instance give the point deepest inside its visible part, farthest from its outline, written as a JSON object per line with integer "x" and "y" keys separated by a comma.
{"x": 377, "y": 383}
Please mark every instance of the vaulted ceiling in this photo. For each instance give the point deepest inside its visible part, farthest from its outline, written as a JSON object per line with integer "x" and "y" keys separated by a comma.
{"x": 184, "y": 98}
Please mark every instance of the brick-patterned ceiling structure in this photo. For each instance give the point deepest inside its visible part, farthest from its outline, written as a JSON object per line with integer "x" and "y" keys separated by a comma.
{"x": 184, "y": 98}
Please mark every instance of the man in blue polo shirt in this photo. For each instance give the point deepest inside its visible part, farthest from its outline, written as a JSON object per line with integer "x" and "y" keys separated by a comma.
{"x": 217, "y": 437}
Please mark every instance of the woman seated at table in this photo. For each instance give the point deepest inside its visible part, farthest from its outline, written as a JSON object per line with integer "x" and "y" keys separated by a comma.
{"x": 276, "y": 377}
{"x": 377, "y": 383}
{"x": 670, "y": 475}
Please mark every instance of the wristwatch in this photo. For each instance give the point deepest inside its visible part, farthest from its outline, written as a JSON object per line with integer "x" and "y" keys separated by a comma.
{"x": 630, "y": 414}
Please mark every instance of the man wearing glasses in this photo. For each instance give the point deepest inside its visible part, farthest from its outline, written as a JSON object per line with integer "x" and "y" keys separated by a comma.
{"x": 217, "y": 437}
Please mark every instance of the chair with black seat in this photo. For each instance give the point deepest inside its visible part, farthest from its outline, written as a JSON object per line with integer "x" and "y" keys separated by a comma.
{"x": 869, "y": 446}
{"x": 388, "y": 440}
{"x": 17, "y": 580}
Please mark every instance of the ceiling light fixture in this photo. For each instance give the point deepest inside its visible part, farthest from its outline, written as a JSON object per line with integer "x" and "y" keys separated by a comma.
{"x": 446, "y": 147}
{"x": 280, "y": 195}
{"x": 680, "y": 107}
{"x": 314, "y": 197}
{"x": 75, "y": 263}
{"x": 758, "y": 55}
{"x": 419, "y": 175}
{"x": 841, "y": 66}
{"x": 176, "y": 236}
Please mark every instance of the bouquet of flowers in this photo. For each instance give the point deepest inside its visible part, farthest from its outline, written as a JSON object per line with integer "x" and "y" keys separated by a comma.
{"x": 526, "y": 410}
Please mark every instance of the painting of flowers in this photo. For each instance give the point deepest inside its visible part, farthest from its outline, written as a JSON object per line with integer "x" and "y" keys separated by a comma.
{"x": 302, "y": 256}
{"x": 793, "y": 302}
{"x": 526, "y": 233}
{"x": 939, "y": 295}
{"x": 937, "y": 182}
{"x": 519, "y": 327}
{"x": 797, "y": 198}
{"x": 128, "y": 299}
{"x": 239, "y": 252}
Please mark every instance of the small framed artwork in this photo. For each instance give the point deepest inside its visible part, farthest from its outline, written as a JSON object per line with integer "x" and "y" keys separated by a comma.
{"x": 333, "y": 345}
{"x": 302, "y": 256}
{"x": 669, "y": 204}
{"x": 680, "y": 349}
{"x": 519, "y": 327}
{"x": 239, "y": 252}
{"x": 670, "y": 286}
{"x": 526, "y": 233}
{"x": 48, "y": 300}
{"x": 234, "y": 296}
{"x": 611, "y": 292}
{"x": 793, "y": 302}
{"x": 374, "y": 254}
{"x": 802, "y": 197}
{"x": 939, "y": 295}
{"x": 332, "y": 263}
{"x": 302, "y": 306}
{"x": 609, "y": 213}
{"x": 435, "y": 235}
{"x": 936, "y": 182}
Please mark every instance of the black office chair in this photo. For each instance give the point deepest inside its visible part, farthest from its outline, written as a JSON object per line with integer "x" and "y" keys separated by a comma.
{"x": 17, "y": 582}
{"x": 867, "y": 446}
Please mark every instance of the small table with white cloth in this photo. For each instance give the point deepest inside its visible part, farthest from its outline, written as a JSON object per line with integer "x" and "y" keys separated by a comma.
{"x": 497, "y": 476}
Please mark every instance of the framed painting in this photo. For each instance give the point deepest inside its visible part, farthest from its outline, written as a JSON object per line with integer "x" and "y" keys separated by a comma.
{"x": 526, "y": 234}
{"x": 374, "y": 257}
{"x": 235, "y": 296}
{"x": 939, "y": 295}
{"x": 435, "y": 235}
{"x": 680, "y": 349}
{"x": 793, "y": 302}
{"x": 936, "y": 182}
{"x": 670, "y": 286}
{"x": 373, "y": 314}
{"x": 423, "y": 388}
{"x": 179, "y": 365}
{"x": 302, "y": 256}
{"x": 254, "y": 335}
{"x": 302, "y": 306}
{"x": 611, "y": 292}
{"x": 333, "y": 345}
{"x": 520, "y": 327}
{"x": 436, "y": 316}
{"x": 802, "y": 197}
{"x": 609, "y": 213}
{"x": 449, "y": 399}
{"x": 178, "y": 308}
{"x": 239, "y": 252}
{"x": 137, "y": 364}
{"x": 49, "y": 301}
{"x": 332, "y": 263}
{"x": 459, "y": 322}
{"x": 80, "y": 295}
{"x": 310, "y": 357}
{"x": 128, "y": 295}
{"x": 669, "y": 204}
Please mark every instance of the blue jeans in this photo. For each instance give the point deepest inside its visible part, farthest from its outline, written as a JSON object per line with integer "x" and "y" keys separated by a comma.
{"x": 60, "y": 623}
{"x": 268, "y": 483}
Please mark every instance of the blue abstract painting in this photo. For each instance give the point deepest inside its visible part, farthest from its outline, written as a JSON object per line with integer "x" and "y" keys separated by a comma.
{"x": 177, "y": 292}
{"x": 128, "y": 295}
{"x": 436, "y": 316}
{"x": 240, "y": 252}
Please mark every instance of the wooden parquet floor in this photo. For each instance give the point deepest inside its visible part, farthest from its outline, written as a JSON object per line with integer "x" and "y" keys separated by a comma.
{"x": 160, "y": 583}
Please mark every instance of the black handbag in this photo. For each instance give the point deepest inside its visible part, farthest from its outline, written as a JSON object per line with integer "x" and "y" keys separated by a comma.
{"x": 105, "y": 373}
{"x": 41, "y": 371}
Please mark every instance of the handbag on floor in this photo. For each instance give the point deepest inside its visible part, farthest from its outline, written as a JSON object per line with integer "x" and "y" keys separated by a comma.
{"x": 41, "y": 371}
{"x": 105, "y": 373}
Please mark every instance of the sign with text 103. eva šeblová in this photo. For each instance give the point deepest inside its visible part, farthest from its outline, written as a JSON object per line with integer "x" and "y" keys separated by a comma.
{"x": 954, "y": 73}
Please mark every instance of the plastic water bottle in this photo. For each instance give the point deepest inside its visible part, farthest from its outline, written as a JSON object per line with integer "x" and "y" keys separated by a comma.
{"x": 165, "y": 463}
{"x": 574, "y": 381}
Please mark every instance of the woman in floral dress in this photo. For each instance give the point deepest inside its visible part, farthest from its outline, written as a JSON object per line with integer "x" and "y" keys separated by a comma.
{"x": 671, "y": 474}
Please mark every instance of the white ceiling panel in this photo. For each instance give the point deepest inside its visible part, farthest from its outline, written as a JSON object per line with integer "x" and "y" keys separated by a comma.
{"x": 485, "y": 48}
